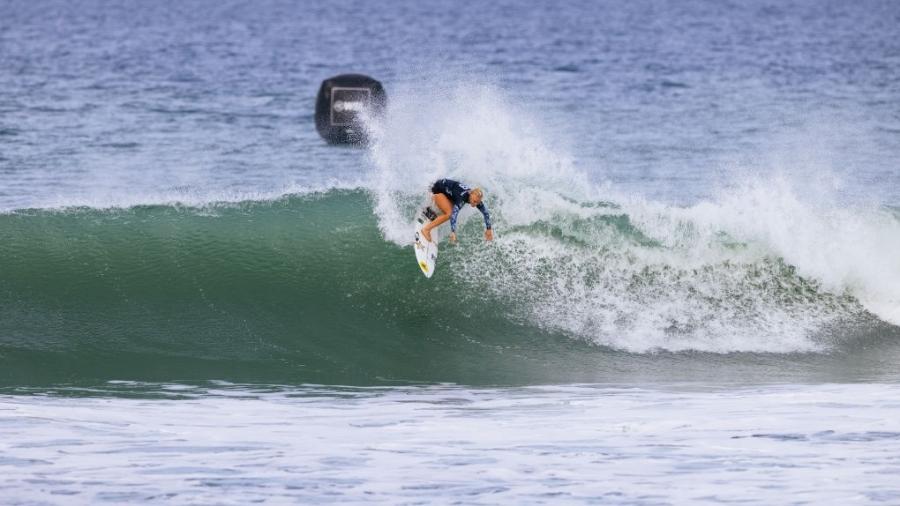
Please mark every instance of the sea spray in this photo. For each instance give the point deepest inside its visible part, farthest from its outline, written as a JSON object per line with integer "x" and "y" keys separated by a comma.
{"x": 757, "y": 269}
{"x": 473, "y": 134}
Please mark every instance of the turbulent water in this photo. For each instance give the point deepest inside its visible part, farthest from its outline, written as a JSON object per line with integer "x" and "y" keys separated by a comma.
{"x": 307, "y": 289}
{"x": 563, "y": 444}
{"x": 697, "y": 220}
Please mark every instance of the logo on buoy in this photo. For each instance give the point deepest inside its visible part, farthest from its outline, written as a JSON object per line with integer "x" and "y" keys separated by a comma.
{"x": 341, "y": 106}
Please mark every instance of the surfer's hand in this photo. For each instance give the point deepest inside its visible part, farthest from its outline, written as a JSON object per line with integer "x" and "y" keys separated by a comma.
{"x": 488, "y": 235}
{"x": 453, "y": 237}
{"x": 426, "y": 233}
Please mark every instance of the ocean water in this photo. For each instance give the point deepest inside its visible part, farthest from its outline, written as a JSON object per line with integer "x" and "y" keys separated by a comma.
{"x": 693, "y": 295}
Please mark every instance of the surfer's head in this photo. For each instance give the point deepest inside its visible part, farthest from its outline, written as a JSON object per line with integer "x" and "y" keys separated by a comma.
{"x": 476, "y": 196}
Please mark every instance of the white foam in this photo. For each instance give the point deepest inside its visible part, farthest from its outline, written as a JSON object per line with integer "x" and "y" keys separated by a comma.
{"x": 757, "y": 269}
{"x": 845, "y": 248}
{"x": 573, "y": 444}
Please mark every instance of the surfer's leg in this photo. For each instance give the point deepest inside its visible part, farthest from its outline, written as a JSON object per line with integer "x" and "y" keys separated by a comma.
{"x": 446, "y": 208}
{"x": 443, "y": 203}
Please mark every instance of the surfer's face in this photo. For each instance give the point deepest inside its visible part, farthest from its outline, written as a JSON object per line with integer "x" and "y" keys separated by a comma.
{"x": 474, "y": 200}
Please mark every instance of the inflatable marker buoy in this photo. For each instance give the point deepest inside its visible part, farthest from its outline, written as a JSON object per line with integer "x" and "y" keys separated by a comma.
{"x": 341, "y": 105}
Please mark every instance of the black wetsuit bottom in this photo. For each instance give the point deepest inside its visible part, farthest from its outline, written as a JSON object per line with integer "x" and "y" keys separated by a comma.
{"x": 457, "y": 192}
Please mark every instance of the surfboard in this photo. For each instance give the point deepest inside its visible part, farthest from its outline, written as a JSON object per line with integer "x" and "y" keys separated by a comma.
{"x": 426, "y": 251}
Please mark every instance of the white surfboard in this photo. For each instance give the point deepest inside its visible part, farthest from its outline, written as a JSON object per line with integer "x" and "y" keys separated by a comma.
{"x": 426, "y": 251}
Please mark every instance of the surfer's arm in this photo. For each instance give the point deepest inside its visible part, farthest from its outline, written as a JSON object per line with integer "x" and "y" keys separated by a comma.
{"x": 454, "y": 214}
{"x": 487, "y": 216}
{"x": 488, "y": 229}
{"x": 453, "y": 217}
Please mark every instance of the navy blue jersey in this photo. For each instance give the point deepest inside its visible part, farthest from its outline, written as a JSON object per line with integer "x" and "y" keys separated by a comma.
{"x": 458, "y": 194}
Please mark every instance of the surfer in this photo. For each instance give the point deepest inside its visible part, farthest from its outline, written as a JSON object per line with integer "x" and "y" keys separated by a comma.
{"x": 450, "y": 196}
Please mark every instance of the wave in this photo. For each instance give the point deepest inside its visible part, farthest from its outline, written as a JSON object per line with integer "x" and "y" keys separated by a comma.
{"x": 300, "y": 285}
{"x": 320, "y": 286}
{"x": 307, "y": 288}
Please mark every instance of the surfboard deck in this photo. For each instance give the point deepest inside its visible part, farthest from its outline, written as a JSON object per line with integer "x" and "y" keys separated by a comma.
{"x": 426, "y": 251}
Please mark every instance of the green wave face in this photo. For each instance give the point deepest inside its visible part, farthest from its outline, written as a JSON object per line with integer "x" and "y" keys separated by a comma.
{"x": 303, "y": 289}
{"x": 306, "y": 290}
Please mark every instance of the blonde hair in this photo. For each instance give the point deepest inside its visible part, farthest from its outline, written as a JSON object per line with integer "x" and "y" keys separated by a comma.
{"x": 477, "y": 192}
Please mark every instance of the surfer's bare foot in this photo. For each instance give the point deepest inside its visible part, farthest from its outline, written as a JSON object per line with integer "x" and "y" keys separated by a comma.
{"x": 426, "y": 234}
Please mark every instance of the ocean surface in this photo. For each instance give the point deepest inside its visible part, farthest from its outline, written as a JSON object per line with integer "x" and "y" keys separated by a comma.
{"x": 693, "y": 295}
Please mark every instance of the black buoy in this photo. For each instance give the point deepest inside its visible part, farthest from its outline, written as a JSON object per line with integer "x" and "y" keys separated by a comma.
{"x": 342, "y": 103}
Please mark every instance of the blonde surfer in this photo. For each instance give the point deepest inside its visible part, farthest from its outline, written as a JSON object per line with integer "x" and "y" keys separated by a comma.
{"x": 450, "y": 196}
